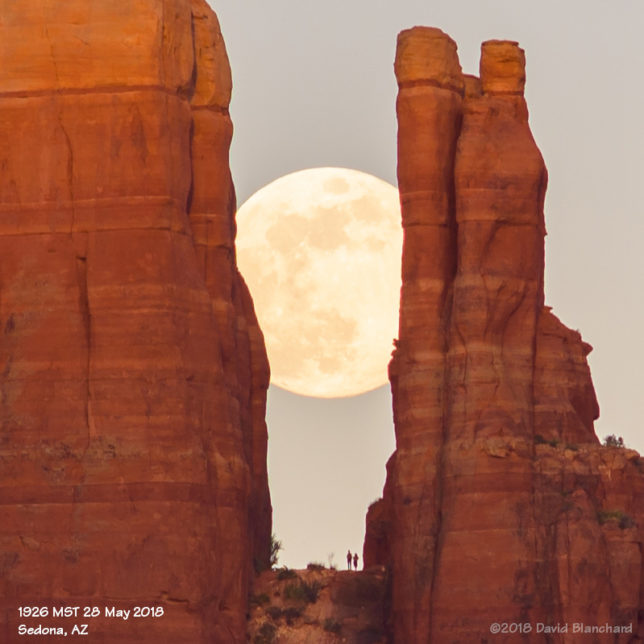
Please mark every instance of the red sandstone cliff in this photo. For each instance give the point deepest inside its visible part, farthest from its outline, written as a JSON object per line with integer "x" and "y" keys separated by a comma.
{"x": 133, "y": 371}
{"x": 500, "y": 505}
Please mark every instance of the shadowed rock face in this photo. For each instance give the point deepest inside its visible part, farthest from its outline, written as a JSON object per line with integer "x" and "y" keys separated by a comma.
{"x": 132, "y": 369}
{"x": 500, "y": 505}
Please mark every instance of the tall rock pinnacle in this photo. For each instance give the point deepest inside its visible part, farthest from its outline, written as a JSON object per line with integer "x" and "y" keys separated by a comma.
{"x": 500, "y": 506}
{"x": 132, "y": 370}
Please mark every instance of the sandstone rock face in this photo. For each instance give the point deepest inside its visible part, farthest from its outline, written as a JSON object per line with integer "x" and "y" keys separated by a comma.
{"x": 499, "y": 506}
{"x": 133, "y": 371}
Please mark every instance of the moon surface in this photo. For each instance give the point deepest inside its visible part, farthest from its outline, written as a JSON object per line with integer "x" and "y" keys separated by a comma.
{"x": 320, "y": 250}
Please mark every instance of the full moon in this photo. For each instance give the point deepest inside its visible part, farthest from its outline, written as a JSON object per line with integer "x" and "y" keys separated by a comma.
{"x": 320, "y": 250}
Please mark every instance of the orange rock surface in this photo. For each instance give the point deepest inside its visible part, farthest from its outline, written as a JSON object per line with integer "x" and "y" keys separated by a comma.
{"x": 133, "y": 371}
{"x": 500, "y": 506}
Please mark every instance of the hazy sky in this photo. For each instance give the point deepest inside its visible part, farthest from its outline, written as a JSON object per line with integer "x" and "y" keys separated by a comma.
{"x": 314, "y": 86}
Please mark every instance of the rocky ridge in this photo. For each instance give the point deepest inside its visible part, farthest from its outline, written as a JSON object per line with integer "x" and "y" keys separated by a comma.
{"x": 318, "y": 606}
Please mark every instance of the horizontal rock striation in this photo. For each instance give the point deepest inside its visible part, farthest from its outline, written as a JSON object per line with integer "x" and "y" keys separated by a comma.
{"x": 500, "y": 505}
{"x": 132, "y": 370}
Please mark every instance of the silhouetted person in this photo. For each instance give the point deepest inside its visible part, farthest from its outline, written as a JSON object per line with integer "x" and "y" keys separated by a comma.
{"x": 355, "y": 561}
{"x": 349, "y": 559}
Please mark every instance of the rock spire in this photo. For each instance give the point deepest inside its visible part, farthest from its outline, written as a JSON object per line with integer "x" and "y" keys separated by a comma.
{"x": 500, "y": 505}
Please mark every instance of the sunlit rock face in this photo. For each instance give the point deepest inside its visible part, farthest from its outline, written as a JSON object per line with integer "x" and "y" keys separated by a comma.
{"x": 133, "y": 372}
{"x": 500, "y": 505}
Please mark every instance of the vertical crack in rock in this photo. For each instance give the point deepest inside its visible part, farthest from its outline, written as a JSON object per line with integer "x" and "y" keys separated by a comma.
{"x": 70, "y": 172}
{"x": 86, "y": 317}
{"x": 59, "y": 112}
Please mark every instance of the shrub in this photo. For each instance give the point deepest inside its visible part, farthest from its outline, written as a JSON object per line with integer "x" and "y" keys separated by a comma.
{"x": 258, "y": 600}
{"x": 294, "y": 592}
{"x": 259, "y": 563}
{"x": 603, "y": 516}
{"x": 613, "y": 441}
{"x": 332, "y": 626}
{"x": 540, "y": 440}
{"x": 314, "y": 565}
{"x": 311, "y": 591}
{"x": 274, "y": 612}
{"x": 276, "y": 546}
{"x": 291, "y": 613}
{"x": 303, "y": 592}
{"x": 266, "y": 634}
{"x": 286, "y": 573}
{"x": 624, "y": 521}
